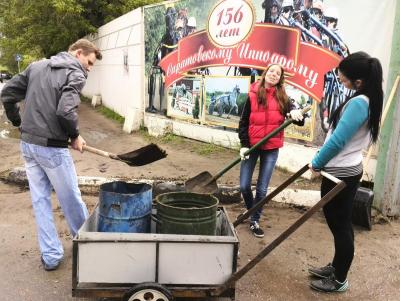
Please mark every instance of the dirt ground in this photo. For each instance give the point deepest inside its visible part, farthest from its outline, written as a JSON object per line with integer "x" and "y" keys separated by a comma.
{"x": 282, "y": 275}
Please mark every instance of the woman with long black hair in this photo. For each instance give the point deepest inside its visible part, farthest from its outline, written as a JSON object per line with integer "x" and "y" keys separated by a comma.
{"x": 353, "y": 126}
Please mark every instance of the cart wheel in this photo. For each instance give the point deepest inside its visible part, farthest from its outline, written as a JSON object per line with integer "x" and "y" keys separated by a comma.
{"x": 148, "y": 291}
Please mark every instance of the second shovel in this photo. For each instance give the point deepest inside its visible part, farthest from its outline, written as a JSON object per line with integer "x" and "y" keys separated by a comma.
{"x": 141, "y": 156}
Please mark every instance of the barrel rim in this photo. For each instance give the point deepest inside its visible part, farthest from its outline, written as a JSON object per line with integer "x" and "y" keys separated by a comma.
{"x": 192, "y": 193}
{"x": 147, "y": 185}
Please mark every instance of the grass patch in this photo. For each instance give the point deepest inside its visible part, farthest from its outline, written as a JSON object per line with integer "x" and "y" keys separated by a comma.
{"x": 282, "y": 169}
{"x": 171, "y": 138}
{"x": 145, "y": 134}
{"x": 166, "y": 139}
{"x": 200, "y": 148}
{"x": 206, "y": 149}
{"x": 85, "y": 99}
{"x": 110, "y": 114}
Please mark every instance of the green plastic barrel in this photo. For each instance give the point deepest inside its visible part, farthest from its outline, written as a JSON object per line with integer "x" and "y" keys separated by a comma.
{"x": 186, "y": 213}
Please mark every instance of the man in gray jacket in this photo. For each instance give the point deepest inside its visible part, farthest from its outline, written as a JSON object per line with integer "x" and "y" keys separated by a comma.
{"x": 51, "y": 89}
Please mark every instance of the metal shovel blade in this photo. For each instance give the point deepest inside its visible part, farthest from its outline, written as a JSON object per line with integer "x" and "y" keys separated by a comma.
{"x": 202, "y": 183}
{"x": 142, "y": 156}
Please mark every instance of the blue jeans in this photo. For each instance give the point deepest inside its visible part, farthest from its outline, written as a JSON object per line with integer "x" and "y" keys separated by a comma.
{"x": 47, "y": 168}
{"x": 267, "y": 163}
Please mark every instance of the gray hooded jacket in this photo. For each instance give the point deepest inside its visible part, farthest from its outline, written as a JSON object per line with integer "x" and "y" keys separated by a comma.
{"x": 51, "y": 91}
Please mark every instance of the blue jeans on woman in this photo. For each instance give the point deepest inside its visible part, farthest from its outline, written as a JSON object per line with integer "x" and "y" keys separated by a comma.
{"x": 267, "y": 163}
{"x": 47, "y": 168}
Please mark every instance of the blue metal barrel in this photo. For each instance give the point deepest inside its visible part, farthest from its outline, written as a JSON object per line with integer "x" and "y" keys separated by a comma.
{"x": 125, "y": 207}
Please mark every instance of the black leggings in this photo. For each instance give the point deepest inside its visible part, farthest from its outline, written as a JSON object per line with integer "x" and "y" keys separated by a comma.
{"x": 338, "y": 214}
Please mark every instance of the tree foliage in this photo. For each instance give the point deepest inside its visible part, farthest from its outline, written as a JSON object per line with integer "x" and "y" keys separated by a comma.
{"x": 41, "y": 28}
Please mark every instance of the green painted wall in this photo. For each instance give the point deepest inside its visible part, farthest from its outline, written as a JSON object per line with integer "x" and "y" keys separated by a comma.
{"x": 384, "y": 161}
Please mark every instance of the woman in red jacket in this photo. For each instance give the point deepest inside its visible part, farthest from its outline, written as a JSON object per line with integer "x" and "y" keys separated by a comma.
{"x": 265, "y": 110}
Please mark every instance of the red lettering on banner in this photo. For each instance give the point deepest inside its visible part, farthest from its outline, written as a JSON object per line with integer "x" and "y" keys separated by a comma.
{"x": 305, "y": 63}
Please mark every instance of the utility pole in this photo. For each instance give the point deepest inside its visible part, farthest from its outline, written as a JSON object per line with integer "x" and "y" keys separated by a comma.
{"x": 18, "y": 58}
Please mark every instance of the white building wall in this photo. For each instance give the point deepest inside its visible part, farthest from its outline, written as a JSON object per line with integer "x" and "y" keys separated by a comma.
{"x": 121, "y": 86}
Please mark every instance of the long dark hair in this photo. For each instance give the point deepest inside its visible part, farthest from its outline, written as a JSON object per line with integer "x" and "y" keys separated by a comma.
{"x": 281, "y": 95}
{"x": 361, "y": 66}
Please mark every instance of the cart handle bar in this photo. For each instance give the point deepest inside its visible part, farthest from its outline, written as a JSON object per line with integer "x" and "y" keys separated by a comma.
{"x": 277, "y": 241}
{"x": 269, "y": 197}
{"x": 330, "y": 177}
{"x": 278, "y": 190}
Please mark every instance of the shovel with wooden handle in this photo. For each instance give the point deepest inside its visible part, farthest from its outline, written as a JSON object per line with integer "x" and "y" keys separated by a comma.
{"x": 138, "y": 157}
{"x": 204, "y": 182}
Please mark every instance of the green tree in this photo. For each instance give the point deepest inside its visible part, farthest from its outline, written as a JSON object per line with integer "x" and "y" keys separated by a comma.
{"x": 41, "y": 28}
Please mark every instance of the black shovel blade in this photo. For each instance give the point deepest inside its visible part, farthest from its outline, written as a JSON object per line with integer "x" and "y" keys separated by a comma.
{"x": 142, "y": 156}
{"x": 202, "y": 183}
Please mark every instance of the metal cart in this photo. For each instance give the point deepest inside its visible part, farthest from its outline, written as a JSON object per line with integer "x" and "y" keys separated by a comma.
{"x": 164, "y": 267}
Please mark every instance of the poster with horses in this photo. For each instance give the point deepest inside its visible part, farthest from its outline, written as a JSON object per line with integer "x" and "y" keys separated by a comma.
{"x": 224, "y": 99}
{"x": 180, "y": 29}
{"x": 184, "y": 99}
{"x": 300, "y": 100}
{"x": 165, "y": 25}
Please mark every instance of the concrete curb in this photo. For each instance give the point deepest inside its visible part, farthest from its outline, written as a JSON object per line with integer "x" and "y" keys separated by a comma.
{"x": 226, "y": 194}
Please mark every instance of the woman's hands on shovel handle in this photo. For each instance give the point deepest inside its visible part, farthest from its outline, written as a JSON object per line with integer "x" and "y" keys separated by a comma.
{"x": 78, "y": 143}
{"x": 315, "y": 172}
{"x": 242, "y": 151}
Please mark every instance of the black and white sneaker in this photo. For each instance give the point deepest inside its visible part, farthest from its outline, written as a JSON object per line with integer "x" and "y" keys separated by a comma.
{"x": 329, "y": 285}
{"x": 324, "y": 272}
{"x": 257, "y": 231}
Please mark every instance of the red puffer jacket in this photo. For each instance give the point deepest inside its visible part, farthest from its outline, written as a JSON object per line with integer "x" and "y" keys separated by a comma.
{"x": 264, "y": 120}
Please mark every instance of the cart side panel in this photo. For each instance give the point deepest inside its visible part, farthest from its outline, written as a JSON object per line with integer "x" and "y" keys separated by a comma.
{"x": 195, "y": 263}
{"x": 109, "y": 262}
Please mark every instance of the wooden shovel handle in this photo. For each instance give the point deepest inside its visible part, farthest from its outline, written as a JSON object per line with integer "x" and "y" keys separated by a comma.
{"x": 99, "y": 152}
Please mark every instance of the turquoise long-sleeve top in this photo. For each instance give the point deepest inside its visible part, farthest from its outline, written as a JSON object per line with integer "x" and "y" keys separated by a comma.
{"x": 343, "y": 145}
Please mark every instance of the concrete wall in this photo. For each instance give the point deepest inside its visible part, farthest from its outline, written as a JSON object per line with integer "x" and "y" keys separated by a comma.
{"x": 120, "y": 85}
